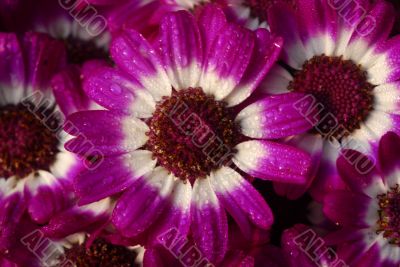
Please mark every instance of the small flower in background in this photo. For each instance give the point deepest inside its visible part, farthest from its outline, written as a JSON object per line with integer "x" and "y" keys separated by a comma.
{"x": 32, "y": 153}
{"x": 348, "y": 66}
{"x": 368, "y": 209}
{"x": 186, "y": 120}
{"x": 30, "y": 244}
{"x": 81, "y": 26}
{"x": 36, "y": 171}
{"x": 156, "y": 99}
{"x": 79, "y": 249}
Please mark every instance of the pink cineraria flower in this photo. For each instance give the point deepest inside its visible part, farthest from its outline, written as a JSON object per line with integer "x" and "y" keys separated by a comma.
{"x": 35, "y": 170}
{"x": 73, "y": 237}
{"x": 176, "y": 144}
{"x": 349, "y": 68}
{"x": 368, "y": 209}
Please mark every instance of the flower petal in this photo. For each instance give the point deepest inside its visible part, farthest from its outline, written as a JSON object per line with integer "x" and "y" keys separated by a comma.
{"x": 180, "y": 49}
{"x": 176, "y": 216}
{"x": 132, "y": 53}
{"x": 294, "y": 51}
{"x": 347, "y": 208}
{"x": 12, "y": 74}
{"x": 226, "y": 64}
{"x": 273, "y": 161}
{"x": 312, "y": 144}
{"x": 389, "y": 158}
{"x": 211, "y": 20}
{"x": 359, "y": 172}
{"x": 274, "y": 117}
{"x": 241, "y": 200}
{"x": 115, "y": 90}
{"x": 105, "y": 131}
{"x": 68, "y": 90}
{"x": 209, "y": 222}
{"x": 45, "y": 196}
{"x": 45, "y": 57}
{"x": 141, "y": 206}
{"x": 266, "y": 51}
{"x": 76, "y": 219}
{"x": 113, "y": 175}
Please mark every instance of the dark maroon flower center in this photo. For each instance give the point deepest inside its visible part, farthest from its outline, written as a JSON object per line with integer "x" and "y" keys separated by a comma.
{"x": 259, "y": 8}
{"x": 341, "y": 87}
{"x": 79, "y": 51}
{"x": 27, "y": 145}
{"x": 101, "y": 253}
{"x": 389, "y": 215}
{"x": 191, "y": 133}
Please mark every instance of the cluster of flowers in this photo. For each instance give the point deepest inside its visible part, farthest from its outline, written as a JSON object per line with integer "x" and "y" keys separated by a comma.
{"x": 199, "y": 133}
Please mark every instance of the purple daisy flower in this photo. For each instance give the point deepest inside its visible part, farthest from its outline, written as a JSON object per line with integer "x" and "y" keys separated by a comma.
{"x": 34, "y": 165}
{"x": 27, "y": 243}
{"x": 174, "y": 151}
{"x": 340, "y": 54}
{"x": 78, "y": 248}
{"x": 368, "y": 210}
{"x": 27, "y": 145}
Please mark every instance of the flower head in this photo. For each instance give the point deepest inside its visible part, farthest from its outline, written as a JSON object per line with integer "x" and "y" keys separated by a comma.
{"x": 342, "y": 57}
{"x": 35, "y": 170}
{"x": 175, "y": 147}
{"x": 368, "y": 210}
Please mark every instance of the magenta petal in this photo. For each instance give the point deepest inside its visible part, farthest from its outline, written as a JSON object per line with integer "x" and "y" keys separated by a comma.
{"x": 180, "y": 49}
{"x": 113, "y": 175}
{"x": 273, "y": 161}
{"x": 314, "y": 146}
{"x": 266, "y": 51}
{"x": 175, "y": 216}
{"x": 316, "y": 16}
{"x": 12, "y": 208}
{"x": 352, "y": 252}
{"x": 294, "y": 52}
{"x": 133, "y": 54}
{"x": 238, "y": 258}
{"x": 46, "y": 197}
{"x": 104, "y": 132}
{"x": 296, "y": 243}
{"x": 241, "y": 200}
{"x": 159, "y": 257}
{"x": 378, "y": 23}
{"x": 77, "y": 219}
{"x": 91, "y": 66}
{"x": 275, "y": 117}
{"x": 225, "y": 63}
{"x": 45, "y": 57}
{"x": 12, "y": 73}
{"x": 389, "y": 156}
{"x": 372, "y": 257}
{"x": 209, "y": 222}
{"x": 357, "y": 170}
{"x": 211, "y": 21}
{"x": 68, "y": 90}
{"x": 141, "y": 206}
{"x": 116, "y": 90}
{"x": 347, "y": 208}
